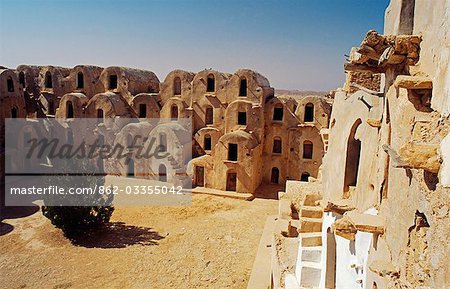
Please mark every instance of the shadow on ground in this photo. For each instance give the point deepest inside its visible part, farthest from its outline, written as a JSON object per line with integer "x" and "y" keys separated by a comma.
{"x": 14, "y": 213}
{"x": 5, "y": 228}
{"x": 118, "y": 235}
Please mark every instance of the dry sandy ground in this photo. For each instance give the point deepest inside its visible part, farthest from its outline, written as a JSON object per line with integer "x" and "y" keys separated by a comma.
{"x": 211, "y": 244}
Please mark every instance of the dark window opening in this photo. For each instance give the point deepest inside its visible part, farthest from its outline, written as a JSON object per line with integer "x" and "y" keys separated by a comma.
{"x": 352, "y": 161}
{"x": 14, "y": 112}
{"x": 243, "y": 87}
{"x": 113, "y": 81}
{"x": 307, "y": 150}
{"x": 207, "y": 142}
{"x": 80, "y": 80}
{"x": 174, "y": 112}
{"x": 100, "y": 113}
{"x": 278, "y": 113}
{"x": 309, "y": 112}
{"x": 10, "y": 84}
{"x": 69, "y": 106}
{"x": 22, "y": 78}
{"x": 305, "y": 177}
{"x": 48, "y": 80}
{"x": 406, "y": 25}
{"x": 275, "y": 175}
{"x": 232, "y": 152}
{"x": 231, "y": 181}
{"x": 162, "y": 142}
{"x": 210, "y": 84}
{"x": 142, "y": 110}
{"x": 242, "y": 118}
{"x": 177, "y": 86}
{"x": 130, "y": 172}
{"x": 209, "y": 115}
{"x": 51, "y": 107}
{"x": 277, "y": 146}
{"x": 162, "y": 173}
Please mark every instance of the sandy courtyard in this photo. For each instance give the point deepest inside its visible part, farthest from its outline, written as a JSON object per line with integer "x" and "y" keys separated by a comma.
{"x": 211, "y": 244}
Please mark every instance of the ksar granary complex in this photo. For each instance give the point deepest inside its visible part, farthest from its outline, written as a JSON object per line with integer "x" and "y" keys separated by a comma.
{"x": 362, "y": 174}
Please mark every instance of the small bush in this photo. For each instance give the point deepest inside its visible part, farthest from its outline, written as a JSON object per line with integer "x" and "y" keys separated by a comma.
{"x": 75, "y": 220}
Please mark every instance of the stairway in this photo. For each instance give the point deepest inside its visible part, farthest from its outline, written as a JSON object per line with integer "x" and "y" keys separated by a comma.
{"x": 309, "y": 267}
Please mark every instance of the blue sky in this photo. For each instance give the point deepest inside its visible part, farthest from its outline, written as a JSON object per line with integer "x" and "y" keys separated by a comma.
{"x": 297, "y": 44}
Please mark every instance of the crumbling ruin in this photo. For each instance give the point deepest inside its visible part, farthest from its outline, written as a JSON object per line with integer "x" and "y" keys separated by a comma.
{"x": 378, "y": 217}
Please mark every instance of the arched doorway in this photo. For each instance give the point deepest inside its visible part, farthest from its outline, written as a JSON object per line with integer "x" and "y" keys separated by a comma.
{"x": 130, "y": 172}
{"x": 199, "y": 176}
{"x": 162, "y": 172}
{"x": 69, "y": 107}
{"x": 352, "y": 159}
{"x": 275, "y": 175}
{"x": 80, "y": 80}
{"x": 174, "y": 112}
{"x": 231, "y": 181}
{"x": 177, "y": 86}
{"x": 309, "y": 112}
{"x": 14, "y": 112}
{"x": 305, "y": 177}
{"x": 48, "y": 80}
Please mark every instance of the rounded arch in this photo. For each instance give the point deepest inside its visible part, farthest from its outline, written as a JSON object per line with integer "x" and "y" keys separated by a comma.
{"x": 308, "y": 149}
{"x": 305, "y": 177}
{"x": 177, "y": 86}
{"x": 243, "y": 86}
{"x": 162, "y": 173}
{"x": 309, "y": 112}
{"x": 209, "y": 114}
{"x": 14, "y": 112}
{"x": 22, "y": 78}
{"x": 174, "y": 111}
{"x": 207, "y": 142}
{"x": 210, "y": 83}
{"x": 275, "y": 175}
{"x": 48, "y": 80}
{"x": 69, "y": 109}
{"x": 80, "y": 80}
{"x": 352, "y": 158}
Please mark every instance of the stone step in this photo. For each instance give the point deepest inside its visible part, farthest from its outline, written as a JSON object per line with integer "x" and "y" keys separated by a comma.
{"x": 310, "y": 274}
{"x": 311, "y": 212}
{"x": 311, "y": 239}
{"x": 311, "y": 199}
{"x": 284, "y": 209}
{"x": 288, "y": 228}
{"x": 310, "y": 225}
{"x": 311, "y": 254}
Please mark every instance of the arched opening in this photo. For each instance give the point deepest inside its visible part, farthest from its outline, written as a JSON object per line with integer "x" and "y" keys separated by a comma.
{"x": 142, "y": 110}
{"x": 243, "y": 87}
{"x": 22, "y": 79}
{"x": 278, "y": 113}
{"x": 112, "y": 81}
{"x": 199, "y": 176}
{"x": 308, "y": 149}
{"x": 100, "y": 115}
{"x": 210, "y": 84}
{"x": 162, "y": 172}
{"x": 277, "y": 145}
{"x": 352, "y": 159}
{"x": 162, "y": 142}
{"x": 305, "y": 177}
{"x": 177, "y": 86}
{"x": 209, "y": 115}
{"x": 130, "y": 171}
{"x": 207, "y": 144}
{"x": 309, "y": 112}
{"x": 14, "y": 112}
{"x": 48, "y": 80}
{"x": 10, "y": 84}
{"x": 275, "y": 175}
{"x": 231, "y": 181}
{"x": 80, "y": 80}
{"x": 174, "y": 112}
{"x": 69, "y": 109}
